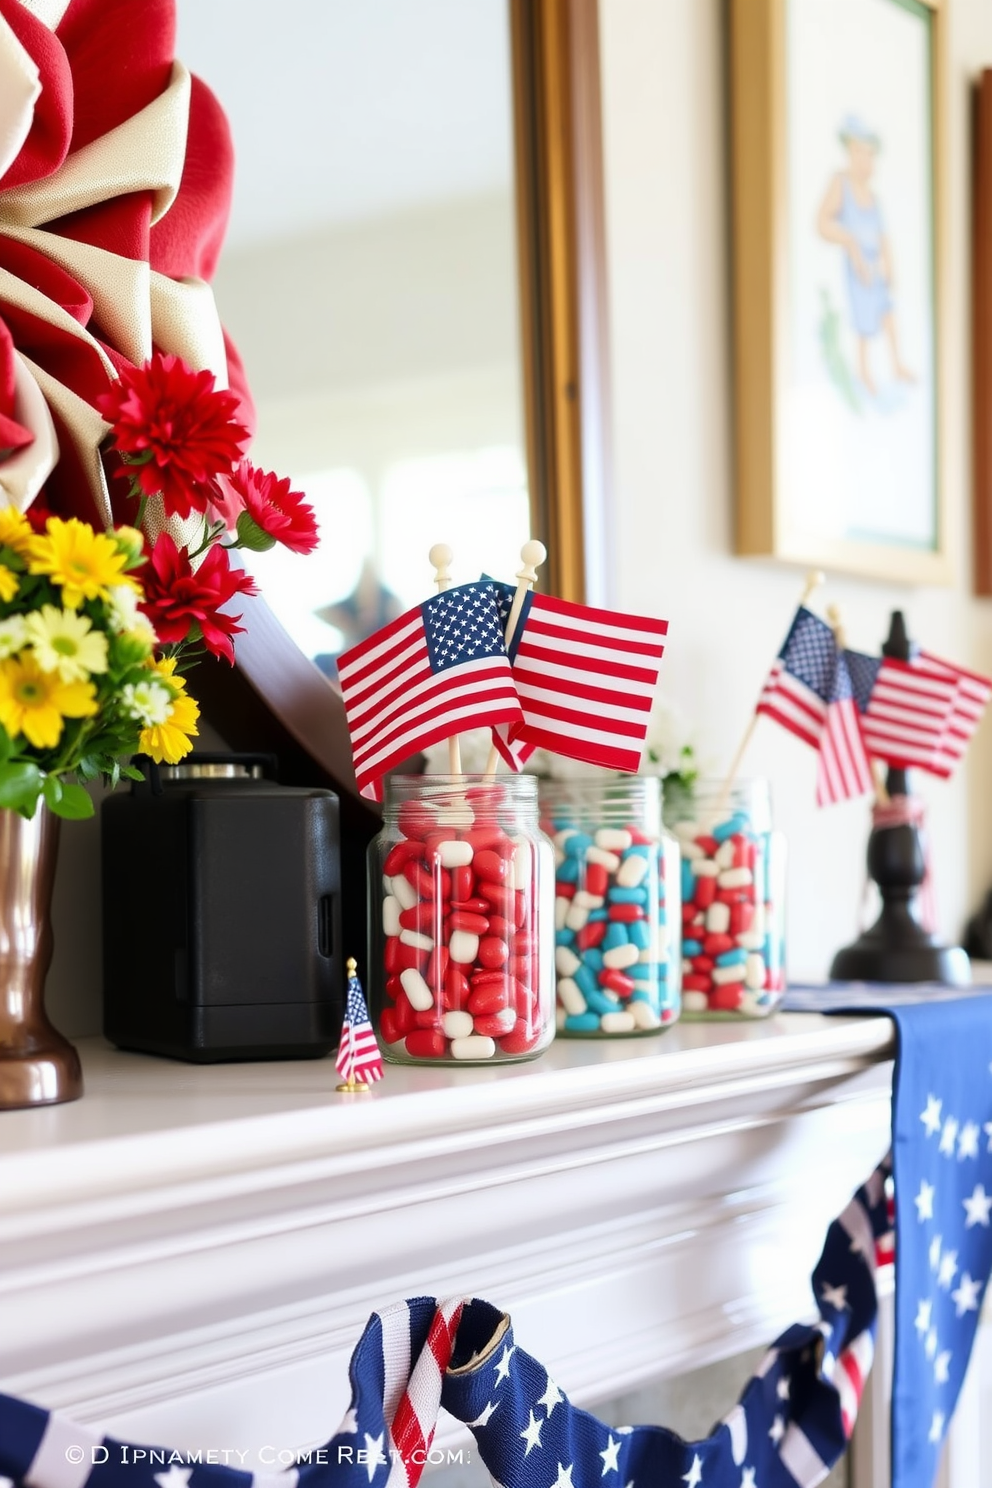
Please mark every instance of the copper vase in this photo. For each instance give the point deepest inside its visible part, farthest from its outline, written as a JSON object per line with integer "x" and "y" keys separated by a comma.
{"x": 38, "y": 1067}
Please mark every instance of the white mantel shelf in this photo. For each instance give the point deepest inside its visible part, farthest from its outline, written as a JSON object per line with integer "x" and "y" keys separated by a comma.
{"x": 189, "y": 1253}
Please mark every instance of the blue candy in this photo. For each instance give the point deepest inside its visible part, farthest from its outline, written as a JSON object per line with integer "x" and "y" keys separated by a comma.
{"x": 615, "y": 936}
{"x": 568, "y": 871}
{"x": 603, "y": 1002}
{"x": 692, "y": 948}
{"x": 593, "y": 958}
{"x": 564, "y": 937}
{"x": 585, "y": 980}
{"x": 732, "y": 958}
{"x": 639, "y": 934}
{"x": 577, "y": 845}
{"x": 739, "y": 822}
{"x": 688, "y": 879}
{"x": 582, "y": 1023}
{"x": 598, "y": 914}
{"x": 627, "y": 896}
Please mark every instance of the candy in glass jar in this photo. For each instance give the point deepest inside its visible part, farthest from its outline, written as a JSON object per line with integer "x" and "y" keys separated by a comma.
{"x": 733, "y": 900}
{"x": 617, "y": 953}
{"x": 461, "y": 921}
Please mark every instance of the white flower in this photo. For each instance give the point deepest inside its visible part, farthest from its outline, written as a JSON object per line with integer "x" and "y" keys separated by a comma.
{"x": 122, "y": 603}
{"x": 149, "y": 702}
{"x": 13, "y": 635}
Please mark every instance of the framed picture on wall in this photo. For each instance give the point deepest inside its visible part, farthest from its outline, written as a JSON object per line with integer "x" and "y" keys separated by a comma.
{"x": 981, "y": 335}
{"x": 837, "y": 272}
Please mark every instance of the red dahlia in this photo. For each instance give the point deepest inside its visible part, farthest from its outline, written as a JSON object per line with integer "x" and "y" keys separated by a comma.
{"x": 186, "y": 605}
{"x": 274, "y": 512}
{"x": 178, "y": 428}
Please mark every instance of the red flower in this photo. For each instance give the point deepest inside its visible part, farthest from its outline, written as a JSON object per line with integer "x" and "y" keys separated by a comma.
{"x": 183, "y": 605}
{"x": 278, "y": 514}
{"x": 179, "y": 425}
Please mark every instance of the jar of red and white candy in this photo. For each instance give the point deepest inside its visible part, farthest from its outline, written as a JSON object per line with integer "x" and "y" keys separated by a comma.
{"x": 616, "y": 906}
{"x": 733, "y": 909}
{"x": 461, "y": 915}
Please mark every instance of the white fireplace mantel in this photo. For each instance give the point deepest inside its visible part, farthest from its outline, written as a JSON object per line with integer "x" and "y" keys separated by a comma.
{"x": 189, "y": 1253}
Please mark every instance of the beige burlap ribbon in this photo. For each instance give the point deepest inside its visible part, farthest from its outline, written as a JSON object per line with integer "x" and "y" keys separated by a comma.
{"x": 136, "y": 306}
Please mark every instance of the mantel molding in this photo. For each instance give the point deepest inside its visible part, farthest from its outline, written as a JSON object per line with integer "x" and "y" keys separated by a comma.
{"x": 192, "y": 1251}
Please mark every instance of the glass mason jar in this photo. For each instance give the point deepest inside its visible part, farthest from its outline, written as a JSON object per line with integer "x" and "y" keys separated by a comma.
{"x": 733, "y": 899}
{"x": 461, "y": 921}
{"x": 617, "y": 916}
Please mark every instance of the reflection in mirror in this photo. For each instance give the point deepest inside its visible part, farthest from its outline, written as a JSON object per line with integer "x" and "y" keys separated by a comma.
{"x": 369, "y": 281}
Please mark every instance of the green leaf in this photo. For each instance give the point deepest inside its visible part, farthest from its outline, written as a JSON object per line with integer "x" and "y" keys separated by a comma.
{"x": 52, "y": 790}
{"x": 5, "y": 746}
{"x": 75, "y": 804}
{"x": 20, "y": 786}
{"x": 129, "y": 772}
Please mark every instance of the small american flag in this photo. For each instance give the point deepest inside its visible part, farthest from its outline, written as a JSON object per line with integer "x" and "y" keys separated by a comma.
{"x": 809, "y": 692}
{"x": 970, "y": 700}
{"x": 905, "y": 708}
{"x": 439, "y": 668}
{"x": 586, "y": 680}
{"x": 359, "y": 1061}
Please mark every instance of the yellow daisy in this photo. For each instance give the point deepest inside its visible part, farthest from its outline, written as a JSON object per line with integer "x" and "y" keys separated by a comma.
{"x": 66, "y": 643}
{"x": 36, "y": 703}
{"x": 8, "y": 584}
{"x": 15, "y": 529}
{"x": 84, "y": 563}
{"x": 167, "y": 742}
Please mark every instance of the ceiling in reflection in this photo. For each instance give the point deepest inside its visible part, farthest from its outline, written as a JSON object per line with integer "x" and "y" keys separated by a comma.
{"x": 340, "y": 113}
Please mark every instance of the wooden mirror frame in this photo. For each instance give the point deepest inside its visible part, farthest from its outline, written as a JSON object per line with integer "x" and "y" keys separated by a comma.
{"x": 275, "y": 698}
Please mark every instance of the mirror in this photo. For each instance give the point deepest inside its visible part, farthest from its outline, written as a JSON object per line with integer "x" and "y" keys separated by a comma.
{"x": 414, "y": 277}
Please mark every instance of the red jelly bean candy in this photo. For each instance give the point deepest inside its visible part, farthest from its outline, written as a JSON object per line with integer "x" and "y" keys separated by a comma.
{"x": 416, "y": 820}
{"x": 565, "y": 890}
{"x": 590, "y": 935}
{"x": 485, "y": 839}
{"x": 393, "y": 987}
{"x": 696, "y": 982}
{"x": 455, "y": 989}
{"x": 709, "y": 845}
{"x": 499, "y": 926}
{"x": 521, "y": 1038}
{"x": 437, "y": 968}
{"x": 741, "y": 918}
{"x": 462, "y": 881}
{"x": 705, "y": 892}
{"x": 728, "y": 998}
{"x": 702, "y": 963}
{"x": 597, "y": 879}
{"x": 389, "y": 1028}
{"x": 462, "y": 919}
{"x": 493, "y": 952}
{"x": 421, "y": 918}
{"x": 391, "y": 955}
{"x": 490, "y": 867}
{"x": 715, "y": 945}
{"x": 501, "y": 899}
{"x": 491, "y": 998}
{"x": 616, "y": 981}
{"x": 425, "y": 1043}
{"x": 626, "y": 913}
{"x": 472, "y": 906}
{"x": 398, "y": 856}
{"x": 495, "y": 1025}
{"x": 406, "y": 1018}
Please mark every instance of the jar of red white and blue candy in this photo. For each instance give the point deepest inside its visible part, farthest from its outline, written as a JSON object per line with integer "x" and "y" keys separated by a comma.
{"x": 461, "y": 917}
{"x": 616, "y": 906}
{"x": 733, "y": 900}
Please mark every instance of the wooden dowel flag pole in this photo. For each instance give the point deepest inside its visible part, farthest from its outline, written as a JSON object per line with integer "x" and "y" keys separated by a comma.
{"x": 814, "y": 579}
{"x": 532, "y": 555}
{"x": 440, "y": 557}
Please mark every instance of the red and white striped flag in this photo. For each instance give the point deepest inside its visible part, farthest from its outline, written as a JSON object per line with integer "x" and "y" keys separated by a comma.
{"x": 358, "y": 1059}
{"x": 586, "y": 680}
{"x": 439, "y": 668}
{"x": 920, "y": 713}
{"x": 971, "y": 696}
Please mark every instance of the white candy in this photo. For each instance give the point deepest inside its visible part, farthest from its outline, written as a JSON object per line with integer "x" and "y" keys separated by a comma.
{"x": 751, "y": 940}
{"x": 559, "y": 856}
{"x": 754, "y": 972}
{"x": 415, "y": 939}
{"x": 632, "y": 871}
{"x": 561, "y": 838}
{"x": 570, "y": 996}
{"x": 617, "y": 1023}
{"x": 562, "y": 906}
{"x": 687, "y": 966}
{"x": 718, "y": 919}
{"x": 585, "y": 900}
{"x": 706, "y": 868}
{"x": 621, "y": 956}
{"x": 736, "y": 878}
{"x": 643, "y": 1015}
{"x": 404, "y": 891}
{"x": 724, "y": 854}
{"x": 463, "y": 947}
{"x": 724, "y": 975}
{"x": 617, "y": 839}
{"x": 694, "y": 1002}
{"x": 454, "y": 854}
{"x": 476, "y": 1046}
{"x": 457, "y": 1025}
{"x": 523, "y": 866}
{"x": 688, "y": 831}
{"x": 692, "y": 852}
{"x": 417, "y": 991}
{"x": 560, "y": 1016}
{"x": 567, "y": 962}
{"x": 390, "y": 915}
{"x": 607, "y": 860}
{"x": 456, "y": 816}
{"x": 577, "y": 916}
{"x": 505, "y": 1018}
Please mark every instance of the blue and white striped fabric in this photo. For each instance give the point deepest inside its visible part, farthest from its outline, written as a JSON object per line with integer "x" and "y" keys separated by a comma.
{"x": 791, "y": 1424}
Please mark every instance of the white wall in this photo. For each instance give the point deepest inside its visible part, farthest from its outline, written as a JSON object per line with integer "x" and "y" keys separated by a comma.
{"x": 667, "y": 183}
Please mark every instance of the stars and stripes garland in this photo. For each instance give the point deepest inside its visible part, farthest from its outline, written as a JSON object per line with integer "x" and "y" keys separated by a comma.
{"x": 358, "y": 1059}
{"x": 792, "y": 1421}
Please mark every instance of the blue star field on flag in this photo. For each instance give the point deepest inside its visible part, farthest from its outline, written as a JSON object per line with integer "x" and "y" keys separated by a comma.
{"x": 942, "y": 1170}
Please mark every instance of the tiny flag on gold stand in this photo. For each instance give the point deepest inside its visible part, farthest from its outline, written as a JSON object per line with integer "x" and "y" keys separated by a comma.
{"x": 359, "y": 1062}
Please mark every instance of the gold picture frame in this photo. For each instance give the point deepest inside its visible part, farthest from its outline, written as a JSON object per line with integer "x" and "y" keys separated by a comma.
{"x": 838, "y": 464}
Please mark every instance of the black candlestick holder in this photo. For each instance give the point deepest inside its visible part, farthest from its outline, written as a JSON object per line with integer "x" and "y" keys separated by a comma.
{"x": 897, "y": 948}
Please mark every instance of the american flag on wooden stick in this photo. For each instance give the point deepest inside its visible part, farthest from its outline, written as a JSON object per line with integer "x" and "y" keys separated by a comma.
{"x": 809, "y": 692}
{"x": 359, "y": 1061}
{"x": 440, "y": 668}
{"x": 586, "y": 680}
{"x": 970, "y": 701}
{"x": 919, "y": 713}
